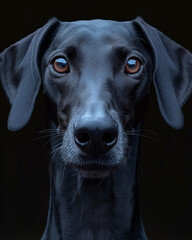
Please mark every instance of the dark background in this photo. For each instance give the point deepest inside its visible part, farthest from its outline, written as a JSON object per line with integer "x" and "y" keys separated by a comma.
{"x": 166, "y": 159}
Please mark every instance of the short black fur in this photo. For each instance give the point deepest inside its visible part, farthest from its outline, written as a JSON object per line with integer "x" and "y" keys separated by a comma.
{"x": 96, "y": 111}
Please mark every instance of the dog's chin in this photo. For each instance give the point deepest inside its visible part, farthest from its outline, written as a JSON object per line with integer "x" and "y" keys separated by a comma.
{"x": 92, "y": 171}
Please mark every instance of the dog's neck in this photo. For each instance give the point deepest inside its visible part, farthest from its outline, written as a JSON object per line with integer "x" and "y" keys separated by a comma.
{"x": 94, "y": 209}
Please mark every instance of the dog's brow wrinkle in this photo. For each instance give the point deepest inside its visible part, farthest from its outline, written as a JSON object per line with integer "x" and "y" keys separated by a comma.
{"x": 121, "y": 50}
{"x": 141, "y": 39}
{"x": 71, "y": 51}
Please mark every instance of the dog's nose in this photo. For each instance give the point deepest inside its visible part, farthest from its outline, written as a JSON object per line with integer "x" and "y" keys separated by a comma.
{"x": 95, "y": 136}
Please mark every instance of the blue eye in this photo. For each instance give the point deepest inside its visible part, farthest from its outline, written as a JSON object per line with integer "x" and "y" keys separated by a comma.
{"x": 60, "y": 65}
{"x": 133, "y": 66}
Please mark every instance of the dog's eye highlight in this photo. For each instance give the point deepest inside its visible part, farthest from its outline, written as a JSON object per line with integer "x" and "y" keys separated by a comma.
{"x": 133, "y": 65}
{"x": 60, "y": 65}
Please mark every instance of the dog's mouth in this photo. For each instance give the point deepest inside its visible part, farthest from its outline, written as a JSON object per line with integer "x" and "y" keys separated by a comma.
{"x": 93, "y": 170}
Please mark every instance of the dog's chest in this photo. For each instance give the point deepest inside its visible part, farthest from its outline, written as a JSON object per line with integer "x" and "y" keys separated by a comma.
{"x": 91, "y": 216}
{"x": 94, "y": 210}
{"x": 97, "y": 223}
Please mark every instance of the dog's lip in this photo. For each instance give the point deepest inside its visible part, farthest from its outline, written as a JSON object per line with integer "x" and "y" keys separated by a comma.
{"x": 93, "y": 170}
{"x": 93, "y": 167}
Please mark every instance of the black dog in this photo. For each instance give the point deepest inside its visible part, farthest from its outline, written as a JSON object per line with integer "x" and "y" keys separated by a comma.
{"x": 96, "y": 77}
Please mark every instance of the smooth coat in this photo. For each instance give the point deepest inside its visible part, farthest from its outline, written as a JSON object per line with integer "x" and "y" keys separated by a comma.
{"x": 96, "y": 111}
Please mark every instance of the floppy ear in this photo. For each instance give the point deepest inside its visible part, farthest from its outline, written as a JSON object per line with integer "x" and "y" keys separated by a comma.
{"x": 20, "y": 73}
{"x": 172, "y": 73}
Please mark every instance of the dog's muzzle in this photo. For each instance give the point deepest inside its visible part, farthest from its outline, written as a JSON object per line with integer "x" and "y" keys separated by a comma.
{"x": 95, "y": 138}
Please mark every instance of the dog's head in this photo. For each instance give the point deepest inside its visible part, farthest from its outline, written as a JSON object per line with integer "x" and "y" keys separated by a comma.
{"x": 96, "y": 77}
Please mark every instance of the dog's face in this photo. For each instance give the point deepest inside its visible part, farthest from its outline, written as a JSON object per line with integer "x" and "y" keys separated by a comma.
{"x": 97, "y": 77}
{"x": 96, "y": 73}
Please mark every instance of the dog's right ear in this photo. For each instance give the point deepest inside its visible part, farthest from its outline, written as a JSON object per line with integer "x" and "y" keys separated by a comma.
{"x": 20, "y": 73}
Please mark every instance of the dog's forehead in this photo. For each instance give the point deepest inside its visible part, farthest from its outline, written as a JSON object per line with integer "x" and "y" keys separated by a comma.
{"x": 95, "y": 31}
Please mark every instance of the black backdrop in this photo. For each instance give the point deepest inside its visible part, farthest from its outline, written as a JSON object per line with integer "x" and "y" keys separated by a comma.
{"x": 165, "y": 176}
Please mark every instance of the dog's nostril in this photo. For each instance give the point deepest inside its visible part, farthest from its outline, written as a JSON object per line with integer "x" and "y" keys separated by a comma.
{"x": 109, "y": 138}
{"x": 82, "y": 137}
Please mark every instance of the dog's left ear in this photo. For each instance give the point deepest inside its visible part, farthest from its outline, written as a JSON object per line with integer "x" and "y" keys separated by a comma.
{"x": 172, "y": 73}
{"x": 20, "y": 73}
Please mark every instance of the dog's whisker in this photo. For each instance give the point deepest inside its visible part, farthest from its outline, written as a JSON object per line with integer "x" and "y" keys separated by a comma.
{"x": 60, "y": 162}
{"x": 143, "y": 131}
{"x": 55, "y": 151}
{"x": 57, "y": 148}
{"x": 51, "y": 136}
{"x": 48, "y": 130}
{"x": 78, "y": 190}
{"x": 100, "y": 182}
{"x": 141, "y": 135}
{"x": 63, "y": 165}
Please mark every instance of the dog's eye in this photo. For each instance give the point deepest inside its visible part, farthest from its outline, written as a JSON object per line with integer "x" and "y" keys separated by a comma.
{"x": 133, "y": 65}
{"x": 60, "y": 65}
